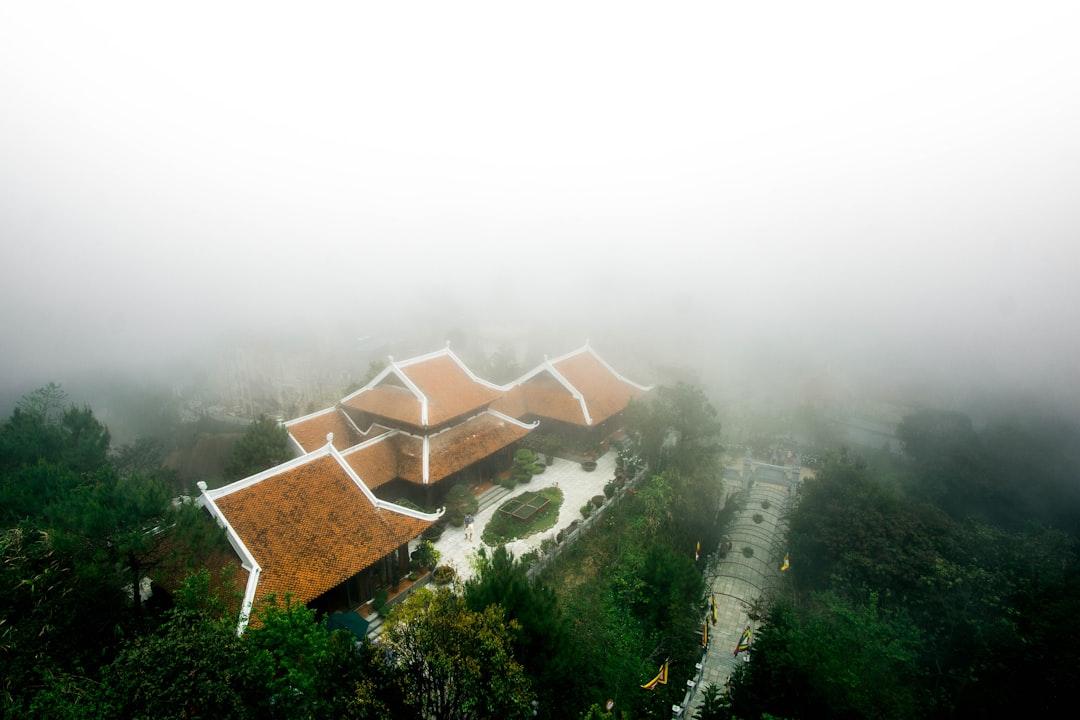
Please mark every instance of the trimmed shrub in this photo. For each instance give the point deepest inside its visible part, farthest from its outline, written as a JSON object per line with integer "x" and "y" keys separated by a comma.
{"x": 586, "y": 509}
{"x": 381, "y": 596}
{"x": 443, "y": 574}
{"x": 609, "y": 490}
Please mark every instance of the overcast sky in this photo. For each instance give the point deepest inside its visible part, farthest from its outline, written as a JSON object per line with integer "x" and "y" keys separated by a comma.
{"x": 860, "y": 178}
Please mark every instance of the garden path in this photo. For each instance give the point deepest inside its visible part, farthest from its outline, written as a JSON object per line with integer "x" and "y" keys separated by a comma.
{"x": 577, "y": 486}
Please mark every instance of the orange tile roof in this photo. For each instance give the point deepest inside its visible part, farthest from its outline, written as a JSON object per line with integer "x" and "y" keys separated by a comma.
{"x": 547, "y": 397}
{"x": 310, "y": 528}
{"x": 605, "y": 392}
{"x": 375, "y": 463}
{"x": 470, "y": 442}
{"x": 450, "y": 390}
{"x": 310, "y": 433}
{"x": 512, "y": 403}
{"x": 400, "y": 455}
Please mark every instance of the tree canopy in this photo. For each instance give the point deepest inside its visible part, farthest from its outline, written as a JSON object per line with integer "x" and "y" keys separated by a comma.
{"x": 263, "y": 445}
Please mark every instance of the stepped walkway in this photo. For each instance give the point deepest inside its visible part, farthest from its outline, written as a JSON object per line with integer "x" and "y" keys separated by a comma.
{"x": 738, "y": 582}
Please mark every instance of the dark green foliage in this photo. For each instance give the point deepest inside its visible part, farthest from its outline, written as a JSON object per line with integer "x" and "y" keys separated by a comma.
{"x": 57, "y": 622}
{"x": 675, "y": 427}
{"x": 460, "y": 502}
{"x": 713, "y": 704}
{"x": 831, "y": 658}
{"x": 193, "y": 666}
{"x": 453, "y": 662}
{"x": 263, "y": 445}
{"x": 542, "y": 639}
{"x": 296, "y": 668}
{"x": 525, "y": 465}
{"x": 995, "y": 605}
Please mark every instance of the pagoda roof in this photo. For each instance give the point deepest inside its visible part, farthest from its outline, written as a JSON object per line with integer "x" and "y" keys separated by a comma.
{"x": 578, "y": 388}
{"x": 424, "y": 392}
{"x": 427, "y": 459}
{"x": 306, "y": 526}
{"x": 309, "y": 433}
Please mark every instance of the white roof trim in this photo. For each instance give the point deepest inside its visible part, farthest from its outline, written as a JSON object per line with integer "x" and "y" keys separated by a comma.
{"x": 395, "y": 368}
{"x": 302, "y": 418}
{"x": 259, "y": 477}
{"x": 247, "y": 560}
{"x": 514, "y": 421}
{"x": 425, "y": 473}
{"x": 381, "y": 504}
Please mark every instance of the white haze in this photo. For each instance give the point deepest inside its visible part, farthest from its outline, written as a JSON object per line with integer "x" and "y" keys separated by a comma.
{"x": 870, "y": 187}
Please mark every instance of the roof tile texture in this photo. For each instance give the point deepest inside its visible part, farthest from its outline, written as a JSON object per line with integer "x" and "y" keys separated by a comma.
{"x": 605, "y": 393}
{"x": 312, "y": 528}
{"x": 470, "y": 442}
{"x": 451, "y": 392}
{"x": 311, "y": 433}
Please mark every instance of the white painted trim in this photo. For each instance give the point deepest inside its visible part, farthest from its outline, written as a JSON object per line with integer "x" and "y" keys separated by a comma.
{"x": 247, "y": 560}
{"x": 259, "y": 477}
{"x": 309, "y": 416}
{"x": 425, "y": 472}
{"x": 514, "y": 421}
{"x": 381, "y": 504}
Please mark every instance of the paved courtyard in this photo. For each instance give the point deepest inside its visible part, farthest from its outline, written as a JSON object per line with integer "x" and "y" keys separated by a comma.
{"x": 577, "y": 486}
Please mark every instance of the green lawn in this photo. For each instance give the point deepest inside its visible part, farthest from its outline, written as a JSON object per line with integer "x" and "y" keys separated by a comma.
{"x": 501, "y": 529}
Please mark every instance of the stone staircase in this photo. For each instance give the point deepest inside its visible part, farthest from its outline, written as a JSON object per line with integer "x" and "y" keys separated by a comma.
{"x": 492, "y": 496}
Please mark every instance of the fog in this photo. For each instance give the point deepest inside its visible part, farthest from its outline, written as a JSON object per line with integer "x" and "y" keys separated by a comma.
{"x": 762, "y": 192}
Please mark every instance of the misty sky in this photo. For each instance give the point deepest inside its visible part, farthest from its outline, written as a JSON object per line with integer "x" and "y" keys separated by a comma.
{"x": 860, "y": 180}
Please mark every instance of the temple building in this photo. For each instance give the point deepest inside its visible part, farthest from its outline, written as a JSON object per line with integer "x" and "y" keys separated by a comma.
{"x": 337, "y": 523}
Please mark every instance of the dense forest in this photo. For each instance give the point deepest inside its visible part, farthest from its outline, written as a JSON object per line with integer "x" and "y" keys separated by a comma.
{"x": 937, "y": 583}
{"x": 83, "y": 521}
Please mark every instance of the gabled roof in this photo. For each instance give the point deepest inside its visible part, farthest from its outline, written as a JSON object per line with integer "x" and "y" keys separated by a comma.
{"x": 578, "y": 388}
{"x": 309, "y": 433}
{"x": 308, "y": 525}
{"x": 426, "y": 459}
{"x": 425, "y": 391}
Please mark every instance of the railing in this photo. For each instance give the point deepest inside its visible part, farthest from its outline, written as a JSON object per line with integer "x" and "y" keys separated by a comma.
{"x": 547, "y": 558}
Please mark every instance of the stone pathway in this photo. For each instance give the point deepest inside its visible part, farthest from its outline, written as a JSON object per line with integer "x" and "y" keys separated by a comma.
{"x": 738, "y": 581}
{"x": 577, "y": 486}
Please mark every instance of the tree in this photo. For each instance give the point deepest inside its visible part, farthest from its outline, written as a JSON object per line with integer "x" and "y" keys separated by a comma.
{"x": 192, "y": 667}
{"x": 675, "y": 427}
{"x": 542, "y": 641}
{"x": 453, "y": 663}
{"x": 47, "y": 403}
{"x": 263, "y": 445}
{"x": 832, "y": 658}
{"x": 525, "y": 465}
{"x": 298, "y": 669}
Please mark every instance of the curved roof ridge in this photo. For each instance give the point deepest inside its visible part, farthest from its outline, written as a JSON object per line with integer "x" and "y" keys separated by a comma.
{"x": 396, "y": 368}
{"x": 375, "y": 501}
{"x": 445, "y": 350}
{"x": 371, "y": 441}
{"x": 613, "y": 371}
{"x": 514, "y": 421}
{"x": 573, "y": 390}
{"x": 472, "y": 376}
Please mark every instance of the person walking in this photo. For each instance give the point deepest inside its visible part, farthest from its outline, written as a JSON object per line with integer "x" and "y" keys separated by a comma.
{"x": 468, "y": 527}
